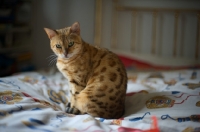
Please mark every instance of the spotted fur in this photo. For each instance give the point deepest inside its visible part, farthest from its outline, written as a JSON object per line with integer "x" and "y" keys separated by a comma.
{"x": 96, "y": 76}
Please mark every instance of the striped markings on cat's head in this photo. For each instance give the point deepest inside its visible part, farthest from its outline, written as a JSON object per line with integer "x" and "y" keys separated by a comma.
{"x": 65, "y": 42}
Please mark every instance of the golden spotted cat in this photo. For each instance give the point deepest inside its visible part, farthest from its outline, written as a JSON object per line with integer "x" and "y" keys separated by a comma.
{"x": 96, "y": 76}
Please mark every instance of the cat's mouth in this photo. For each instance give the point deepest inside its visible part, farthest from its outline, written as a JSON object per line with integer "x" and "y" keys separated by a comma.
{"x": 66, "y": 56}
{"x": 63, "y": 56}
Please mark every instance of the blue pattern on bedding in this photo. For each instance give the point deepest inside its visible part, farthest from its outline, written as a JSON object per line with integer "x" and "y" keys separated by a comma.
{"x": 36, "y": 102}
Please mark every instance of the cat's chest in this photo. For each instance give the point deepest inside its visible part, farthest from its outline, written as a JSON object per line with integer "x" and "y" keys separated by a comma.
{"x": 74, "y": 69}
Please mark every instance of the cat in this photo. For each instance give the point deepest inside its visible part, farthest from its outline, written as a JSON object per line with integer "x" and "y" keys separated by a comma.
{"x": 96, "y": 76}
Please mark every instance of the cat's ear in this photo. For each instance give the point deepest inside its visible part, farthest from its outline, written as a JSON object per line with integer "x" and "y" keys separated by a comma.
{"x": 51, "y": 33}
{"x": 75, "y": 28}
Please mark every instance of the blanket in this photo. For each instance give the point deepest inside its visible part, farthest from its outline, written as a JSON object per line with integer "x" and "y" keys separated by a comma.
{"x": 36, "y": 101}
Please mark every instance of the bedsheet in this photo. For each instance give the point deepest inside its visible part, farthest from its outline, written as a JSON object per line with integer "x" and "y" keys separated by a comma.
{"x": 35, "y": 102}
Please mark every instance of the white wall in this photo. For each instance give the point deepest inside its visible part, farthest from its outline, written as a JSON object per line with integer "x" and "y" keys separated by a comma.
{"x": 57, "y": 14}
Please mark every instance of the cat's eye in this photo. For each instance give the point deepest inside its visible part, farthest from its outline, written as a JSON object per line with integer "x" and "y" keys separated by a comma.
{"x": 71, "y": 44}
{"x": 58, "y": 46}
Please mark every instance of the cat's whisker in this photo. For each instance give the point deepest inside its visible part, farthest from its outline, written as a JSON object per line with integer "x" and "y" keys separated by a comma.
{"x": 52, "y": 56}
{"x": 52, "y": 59}
{"x": 52, "y": 62}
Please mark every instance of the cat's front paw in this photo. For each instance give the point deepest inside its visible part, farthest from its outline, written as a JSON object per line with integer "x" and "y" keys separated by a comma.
{"x": 71, "y": 110}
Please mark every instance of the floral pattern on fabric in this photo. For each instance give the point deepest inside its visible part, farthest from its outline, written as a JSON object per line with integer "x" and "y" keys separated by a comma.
{"x": 36, "y": 102}
{"x": 9, "y": 97}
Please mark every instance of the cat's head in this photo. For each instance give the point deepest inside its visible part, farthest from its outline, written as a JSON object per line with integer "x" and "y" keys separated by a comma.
{"x": 65, "y": 42}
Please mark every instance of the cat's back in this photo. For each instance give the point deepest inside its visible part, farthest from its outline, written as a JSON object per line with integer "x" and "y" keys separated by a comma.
{"x": 108, "y": 69}
{"x": 104, "y": 59}
{"x": 107, "y": 84}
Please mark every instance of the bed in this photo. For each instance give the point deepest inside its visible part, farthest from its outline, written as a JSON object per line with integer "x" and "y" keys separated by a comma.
{"x": 163, "y": 91}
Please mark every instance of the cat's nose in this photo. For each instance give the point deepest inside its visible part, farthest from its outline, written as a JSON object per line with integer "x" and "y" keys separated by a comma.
{"x": 65, "y": 53}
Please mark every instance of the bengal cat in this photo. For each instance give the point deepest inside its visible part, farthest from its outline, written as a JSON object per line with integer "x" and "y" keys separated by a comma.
{"x": 96, "y": 77}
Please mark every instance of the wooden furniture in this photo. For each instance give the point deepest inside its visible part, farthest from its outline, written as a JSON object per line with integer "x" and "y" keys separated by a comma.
{"x": 163, "y": 36}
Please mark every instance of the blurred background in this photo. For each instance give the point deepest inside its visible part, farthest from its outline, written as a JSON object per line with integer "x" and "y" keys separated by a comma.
{"x": 24, "y": 46}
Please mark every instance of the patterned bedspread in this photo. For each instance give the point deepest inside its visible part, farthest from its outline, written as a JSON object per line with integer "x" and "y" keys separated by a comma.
{"x": 35, "y": 102}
